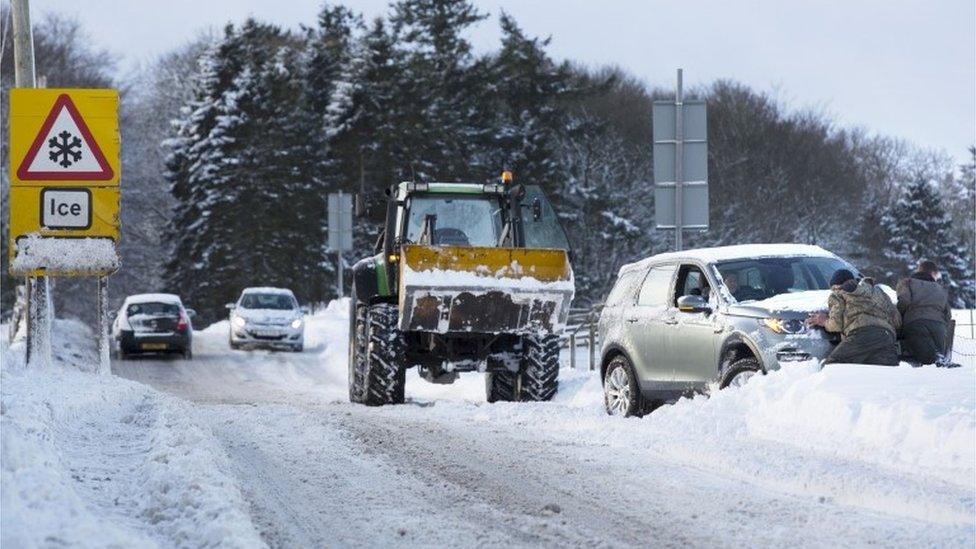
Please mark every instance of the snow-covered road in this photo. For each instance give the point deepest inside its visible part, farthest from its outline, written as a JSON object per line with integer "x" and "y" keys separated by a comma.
{"x": 446, "y": 469}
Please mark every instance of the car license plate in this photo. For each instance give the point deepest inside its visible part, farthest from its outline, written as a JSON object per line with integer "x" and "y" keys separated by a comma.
{"x": 154, "y": 346}
{"x": 267, "y": 333}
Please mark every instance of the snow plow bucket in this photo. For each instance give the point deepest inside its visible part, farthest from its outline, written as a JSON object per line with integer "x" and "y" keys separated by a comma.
{"x": 484, "y": 290}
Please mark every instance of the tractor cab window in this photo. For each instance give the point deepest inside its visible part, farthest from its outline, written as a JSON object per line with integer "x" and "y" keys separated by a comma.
{"x": 539, "y": 221}
{"x": 456, "y": 220}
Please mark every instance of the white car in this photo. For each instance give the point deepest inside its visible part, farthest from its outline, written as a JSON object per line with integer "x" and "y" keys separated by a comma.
{"x": 267, "y": 317}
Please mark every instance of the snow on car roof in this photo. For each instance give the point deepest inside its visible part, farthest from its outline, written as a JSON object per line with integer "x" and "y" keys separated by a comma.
{"x": 268, "y": 290}
{"x": 153, "y": 298}
{"x": 741, "y": 251}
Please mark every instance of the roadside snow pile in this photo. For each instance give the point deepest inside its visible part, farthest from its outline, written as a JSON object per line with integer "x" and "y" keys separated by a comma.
{"x": 64, "y": 254}
{"x": 898, "y": 440}
{"x": 92, "y": 460}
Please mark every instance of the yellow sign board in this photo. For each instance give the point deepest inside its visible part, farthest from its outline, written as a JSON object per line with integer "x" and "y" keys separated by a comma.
{"x": 64, "y": 172}
{"x": 66, "y": 136}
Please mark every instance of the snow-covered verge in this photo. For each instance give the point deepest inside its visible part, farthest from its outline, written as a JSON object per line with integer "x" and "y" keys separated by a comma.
{"x": 900, "y": 441}
{"x": 94, "y": 460}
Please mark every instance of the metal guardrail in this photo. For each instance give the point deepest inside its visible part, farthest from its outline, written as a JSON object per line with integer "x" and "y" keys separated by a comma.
{"x": 581, "y": 328}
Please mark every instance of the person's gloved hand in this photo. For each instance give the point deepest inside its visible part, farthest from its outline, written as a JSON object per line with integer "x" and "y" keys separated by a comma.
{"x": 817, "y": 319}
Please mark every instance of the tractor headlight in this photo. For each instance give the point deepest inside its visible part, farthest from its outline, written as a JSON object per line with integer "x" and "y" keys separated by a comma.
{"x": 784, "y": 326}
{"x": 296, "y": 324}
{"x": 239, "y": 321}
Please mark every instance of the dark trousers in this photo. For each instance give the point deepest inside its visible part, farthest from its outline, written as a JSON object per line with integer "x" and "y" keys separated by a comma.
{"x": 868, "y": 345}
{"x": 925, "y": 339}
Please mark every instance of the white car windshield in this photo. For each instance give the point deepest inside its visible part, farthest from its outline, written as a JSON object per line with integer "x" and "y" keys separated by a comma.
{"x": 762, "y": 278}
{"x": 268, "y": 301}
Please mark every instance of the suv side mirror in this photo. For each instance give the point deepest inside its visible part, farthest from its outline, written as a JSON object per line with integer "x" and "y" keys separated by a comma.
{"x": 191, "y": 313}
{"x": 230, "y": 306}
{"x": 693, "y": 304}
{"x": 305, "y": 310}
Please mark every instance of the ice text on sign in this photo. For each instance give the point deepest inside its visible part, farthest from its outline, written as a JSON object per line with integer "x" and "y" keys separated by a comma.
{"x": 65, "y": 209}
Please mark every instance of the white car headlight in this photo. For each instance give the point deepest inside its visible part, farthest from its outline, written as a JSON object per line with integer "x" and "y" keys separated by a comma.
{"x": 239, "y": 321}
{"x": 297, "y": 323}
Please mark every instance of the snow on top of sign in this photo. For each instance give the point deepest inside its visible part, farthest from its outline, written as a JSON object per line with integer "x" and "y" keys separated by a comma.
{"x": 64, "y": 254}
{"x": 268, "y": 290}
{"x": 742, "y": 251}
{"x": 153, "y": 298}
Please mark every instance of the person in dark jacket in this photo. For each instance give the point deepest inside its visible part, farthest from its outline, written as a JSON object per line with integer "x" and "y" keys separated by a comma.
{"x": 924, "y": 306}
{"x": 866, "y": 319}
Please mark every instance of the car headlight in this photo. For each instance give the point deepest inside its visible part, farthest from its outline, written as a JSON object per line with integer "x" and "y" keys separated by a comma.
{"x": 239, "y": 321}
{"x": 297, "y": 323}
{"x": 784, "y": 326}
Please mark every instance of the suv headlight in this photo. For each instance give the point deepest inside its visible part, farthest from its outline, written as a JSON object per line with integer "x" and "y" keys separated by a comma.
{"x": 239, "y": 321}
{"x": 785, "y": 326}
{"x": 297, "y": 323}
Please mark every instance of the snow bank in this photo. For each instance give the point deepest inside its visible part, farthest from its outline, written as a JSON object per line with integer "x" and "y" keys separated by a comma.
{"x": 64, "y": 254}
{"x": 899, "y": 440}
{"x": 92, "y": 460}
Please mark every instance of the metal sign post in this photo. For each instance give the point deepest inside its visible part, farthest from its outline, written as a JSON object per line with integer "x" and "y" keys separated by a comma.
{"x": 340, "y": 230}
{"x": 680, "y": 164}
{"x": 678, "y": 161}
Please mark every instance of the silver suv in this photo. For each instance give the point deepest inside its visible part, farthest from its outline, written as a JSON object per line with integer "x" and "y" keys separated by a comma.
{"x": 676, "y": 322}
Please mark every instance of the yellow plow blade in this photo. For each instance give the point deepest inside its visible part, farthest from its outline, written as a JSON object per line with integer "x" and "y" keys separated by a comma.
{"x": 543, "y": 265}
{"x": 485, "y": 290}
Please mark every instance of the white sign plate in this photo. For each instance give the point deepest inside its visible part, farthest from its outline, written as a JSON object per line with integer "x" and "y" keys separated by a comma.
{"x": 66, "y": 208}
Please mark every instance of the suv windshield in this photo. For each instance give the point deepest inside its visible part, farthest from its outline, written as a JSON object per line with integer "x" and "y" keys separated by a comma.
{"x": 458, "y": 220}
{"x": 754, "y": 279}
{"x": 153, "y": 309}
{"x": 268, "y": 301}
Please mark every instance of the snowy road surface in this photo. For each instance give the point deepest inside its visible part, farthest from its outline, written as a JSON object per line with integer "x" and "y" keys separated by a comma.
{"x": 848, "y": 456}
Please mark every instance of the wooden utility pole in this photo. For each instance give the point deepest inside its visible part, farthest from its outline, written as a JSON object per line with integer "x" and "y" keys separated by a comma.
{"x": 38, "y": 316}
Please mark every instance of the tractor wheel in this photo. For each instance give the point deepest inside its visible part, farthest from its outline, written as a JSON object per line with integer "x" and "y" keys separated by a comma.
{"x": 376, "y": 375}
{"x": 540, "y": 368}
{"x": 501, "y": 386}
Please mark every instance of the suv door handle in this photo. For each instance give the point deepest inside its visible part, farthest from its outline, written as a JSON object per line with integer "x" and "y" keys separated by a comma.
{"x": 632, "y": 319}
{"x": 671, "y": 321}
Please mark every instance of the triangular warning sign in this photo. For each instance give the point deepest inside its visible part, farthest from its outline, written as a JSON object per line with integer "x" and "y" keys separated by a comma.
{"x": 64, "y": 149}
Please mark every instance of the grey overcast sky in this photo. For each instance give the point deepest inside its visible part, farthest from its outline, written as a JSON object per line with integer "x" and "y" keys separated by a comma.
{"x": 901, "y": 68}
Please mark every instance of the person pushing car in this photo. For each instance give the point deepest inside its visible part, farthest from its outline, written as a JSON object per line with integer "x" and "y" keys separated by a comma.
{"x": 866, "y": 319}
{"x": 924, "y": 305}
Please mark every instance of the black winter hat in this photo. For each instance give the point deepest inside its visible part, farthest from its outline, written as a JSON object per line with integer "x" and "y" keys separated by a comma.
{"x": 841, "y": 276}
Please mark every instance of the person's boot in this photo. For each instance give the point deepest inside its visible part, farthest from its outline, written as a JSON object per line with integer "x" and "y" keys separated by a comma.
{"x": 945, "y": 362}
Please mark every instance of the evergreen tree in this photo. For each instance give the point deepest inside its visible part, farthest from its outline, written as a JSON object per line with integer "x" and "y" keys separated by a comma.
{"x": 919, "y": 227}
{"x": 243, "y": 169}
{"x": 527, "y": 115}
{"x": 444, "y": 87}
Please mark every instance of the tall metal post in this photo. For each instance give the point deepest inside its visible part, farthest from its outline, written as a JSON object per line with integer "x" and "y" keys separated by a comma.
{"x": 678, "y": 161}
{"x": 38, "y": 297}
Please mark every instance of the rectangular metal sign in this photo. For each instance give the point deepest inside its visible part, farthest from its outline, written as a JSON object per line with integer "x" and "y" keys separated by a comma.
{"x": 65, "y": 170}
{"x": 693, "y": 164}
{"x": 340, "y": 222}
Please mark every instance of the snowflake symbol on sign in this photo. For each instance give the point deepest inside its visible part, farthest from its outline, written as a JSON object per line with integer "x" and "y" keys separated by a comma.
{"x": 64, "y": 149}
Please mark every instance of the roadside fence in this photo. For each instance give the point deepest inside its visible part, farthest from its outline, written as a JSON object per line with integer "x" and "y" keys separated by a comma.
{"x": 581, "y": 331}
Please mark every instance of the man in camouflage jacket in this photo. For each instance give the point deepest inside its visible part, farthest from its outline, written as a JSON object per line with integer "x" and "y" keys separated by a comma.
{"x": 866, "y": 319}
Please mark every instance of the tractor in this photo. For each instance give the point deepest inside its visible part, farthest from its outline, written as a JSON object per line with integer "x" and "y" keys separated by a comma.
{"x": 464, "y": 277}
